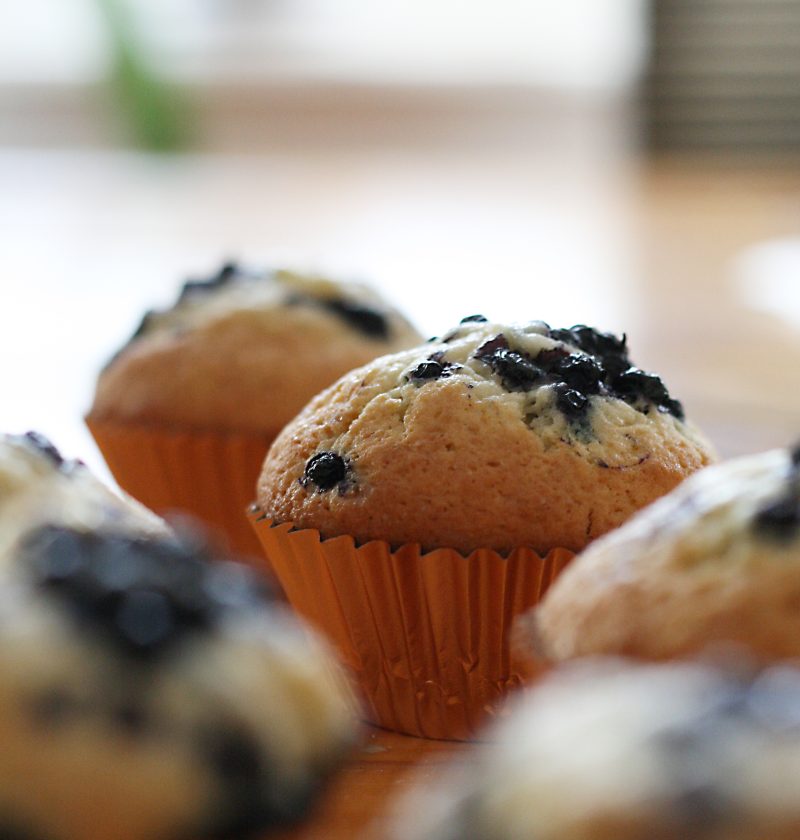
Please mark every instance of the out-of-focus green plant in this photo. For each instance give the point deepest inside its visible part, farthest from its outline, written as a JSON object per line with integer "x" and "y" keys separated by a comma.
{"x": 157, "y": 115}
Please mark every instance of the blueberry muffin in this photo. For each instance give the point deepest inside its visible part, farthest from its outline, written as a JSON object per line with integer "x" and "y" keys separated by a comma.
{"x": 245, "y": 350}
{"x": 38, "y": 486}
{"x": 492, "y": 436}
{"x": 150, "y": 691}
{"x": 613, "y": 751}
{"x": 425, "y": 500}
{"x": 185, "y": 412}
{"x": 718, "y": 560}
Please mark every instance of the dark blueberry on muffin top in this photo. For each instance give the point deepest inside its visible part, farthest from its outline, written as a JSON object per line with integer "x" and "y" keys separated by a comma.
{"x": 325, "y": 470}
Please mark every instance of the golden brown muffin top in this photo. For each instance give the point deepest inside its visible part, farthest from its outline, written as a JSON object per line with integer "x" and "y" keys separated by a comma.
{"x": 244, "y": 350}
{"x": 717, "y": 560}
{"x": 492, "y": 436}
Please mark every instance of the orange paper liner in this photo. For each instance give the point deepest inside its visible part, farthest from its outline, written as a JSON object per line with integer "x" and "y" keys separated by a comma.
{"x": 426, "y": 636}
{"x": 211, "y": 475}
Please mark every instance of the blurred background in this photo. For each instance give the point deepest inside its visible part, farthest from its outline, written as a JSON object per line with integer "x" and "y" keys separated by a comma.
{"x": 628, "y": 164}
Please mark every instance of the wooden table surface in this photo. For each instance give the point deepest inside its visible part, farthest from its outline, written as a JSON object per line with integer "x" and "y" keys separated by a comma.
{"x": 692, "y": 259}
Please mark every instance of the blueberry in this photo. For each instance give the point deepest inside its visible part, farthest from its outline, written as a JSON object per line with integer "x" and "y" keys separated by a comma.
{"x": 579, "y": 372}
{"x": 517, "y": 371}
{"x": 144, "y": 325}
{"x": 145, "y": 618}
{"x": 592, "y": 341}
{"x": 780, "y": 519}
{"x": 226, "y": 273}
{"x": 52, "y": 708}
{"x": 634, "y": 384}
{"x": 325, "y": 470}
{"x": 573, "y": 404}
{"x": 130, "y": 717}
{"x": 427, "y": 370}
{"x": 43, "y": 445}
{"x": 478, "y": 319}
{"x": 141, "y": 595}
{"x": 794, "y": 455}
{"x": 362, "y": 318}
{"x": 233, "y": 756}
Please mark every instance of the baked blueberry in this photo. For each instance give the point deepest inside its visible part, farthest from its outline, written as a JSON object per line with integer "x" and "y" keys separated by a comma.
{"x": 517, "y": 371}
{"x": 226, "y": 273}
{"x": 365, "y": 319}
{"x": 325, "y": 470}
{"x": 572, "y": 403}
{"x": 579, "y": 372}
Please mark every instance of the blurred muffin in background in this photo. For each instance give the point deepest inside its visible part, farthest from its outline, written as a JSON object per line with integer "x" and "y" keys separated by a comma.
{"x": 715, "y": 561}
{"x": 418, "y": 505}
{"x": 608, "y": 750}
{"x": 185, "y": 412}
{"x": 148, "y": 690}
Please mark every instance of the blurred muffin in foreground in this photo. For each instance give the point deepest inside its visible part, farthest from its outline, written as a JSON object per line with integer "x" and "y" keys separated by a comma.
{"x": 718, "y": 560}
{"x": 39, "y": 486}
{"x": 185, "y": 412}
{"x": 427, "y": 498}
{"x": 604, "y": 750}
{"x": 149, "y": 691}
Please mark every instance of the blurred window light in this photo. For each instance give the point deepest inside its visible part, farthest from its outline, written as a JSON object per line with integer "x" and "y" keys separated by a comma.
{"x": 588, "y": 44}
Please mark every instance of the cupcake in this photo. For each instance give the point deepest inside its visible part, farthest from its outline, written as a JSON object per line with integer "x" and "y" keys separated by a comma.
{"x": 149, "y": 690}
{"x": 39, "y": 486}
{"x": 716, "y": 561}
{"x": 607, "y": 750}
{"x": 185, "y": 412}
{"x": 414, "y": 508}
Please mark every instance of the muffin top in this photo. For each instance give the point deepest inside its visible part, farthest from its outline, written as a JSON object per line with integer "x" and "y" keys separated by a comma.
{"x": 606, "y": 750}
{"x": 38, "y": 485}
{"x": 154, "y": 690}
{"x": 246, "y": 350}
{"x": 717, "y": 560}
{"x": 492, "y": 436}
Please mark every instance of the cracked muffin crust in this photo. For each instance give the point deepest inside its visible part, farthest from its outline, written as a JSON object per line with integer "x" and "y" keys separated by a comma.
{"x": 718, "y": 560}
{"x": 607, "y": 750}
{"x": 492, "y": 436}
{"x": 149, "y": 690}
{"x": 245, "y": 350}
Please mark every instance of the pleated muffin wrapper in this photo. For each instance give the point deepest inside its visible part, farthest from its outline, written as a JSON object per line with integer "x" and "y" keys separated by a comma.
{"x": 425, "y": 636}
{"x": 210, "y": 475}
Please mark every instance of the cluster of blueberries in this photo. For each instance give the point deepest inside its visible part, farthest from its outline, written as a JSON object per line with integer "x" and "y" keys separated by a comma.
{"x": 601, "y": 367}
{"x": 141, "y": 595}
{"x": 365, "y": 319}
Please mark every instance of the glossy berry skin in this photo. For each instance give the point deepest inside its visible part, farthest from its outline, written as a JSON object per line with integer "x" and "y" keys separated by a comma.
{"x": 324, "y": 471}
{"x": 517, "y": 371}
